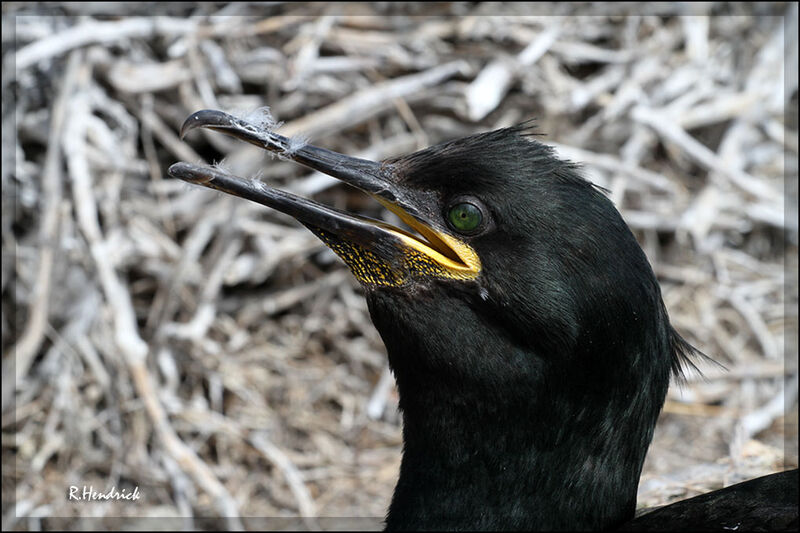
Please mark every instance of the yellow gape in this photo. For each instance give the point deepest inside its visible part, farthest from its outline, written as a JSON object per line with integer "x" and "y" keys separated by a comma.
{"x": 442, "y": 256}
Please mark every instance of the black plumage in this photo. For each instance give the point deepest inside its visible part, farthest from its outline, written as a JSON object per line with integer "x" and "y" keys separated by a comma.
{"x": 529, "y": 340}
{"x": 767, "y": 503}
{"x": 562, "y": 358}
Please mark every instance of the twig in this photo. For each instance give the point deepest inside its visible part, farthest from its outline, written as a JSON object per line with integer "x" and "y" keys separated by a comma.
{"x": 760, "y": 419}
{"x": 490, "y": 86}
{"x": 293, "y": 477}
{"x": 197, "y": 326}
{"x": 132, "y": 347}
{"x": 97, "y": 32}
{"x": 613, "y": 164}
{"x": 155, "y": 170}
{"x": 668, "y": 129}
{"x": 369, "y": 102}
{"x": 167, "y": 137}
{"x": 756, "y": 323}
{"x": 28, "y": 344}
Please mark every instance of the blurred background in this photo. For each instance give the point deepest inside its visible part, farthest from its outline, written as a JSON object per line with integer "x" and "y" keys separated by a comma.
{"x": 216, "y": 357}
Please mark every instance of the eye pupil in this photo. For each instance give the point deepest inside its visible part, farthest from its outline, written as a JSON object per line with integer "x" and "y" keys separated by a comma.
{"x": 465, "y": 217}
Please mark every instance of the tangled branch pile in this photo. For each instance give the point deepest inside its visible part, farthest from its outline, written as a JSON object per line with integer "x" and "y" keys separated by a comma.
{"x": 216, "y": 356}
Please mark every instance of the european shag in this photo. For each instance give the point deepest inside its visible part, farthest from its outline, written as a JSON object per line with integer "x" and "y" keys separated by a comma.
{"x": 523, "y": 324}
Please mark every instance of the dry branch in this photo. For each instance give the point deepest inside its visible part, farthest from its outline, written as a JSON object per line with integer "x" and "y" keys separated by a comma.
{"x": 132, "y": 347}
{"x": 24, "y": 350}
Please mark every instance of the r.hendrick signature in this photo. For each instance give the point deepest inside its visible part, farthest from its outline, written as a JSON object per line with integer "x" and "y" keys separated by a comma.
{"x": 89, "y": 494}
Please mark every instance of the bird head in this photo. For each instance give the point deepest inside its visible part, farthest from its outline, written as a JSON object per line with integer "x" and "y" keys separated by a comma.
{"x": 503, "y": 236}
{"x": 523, "y": 323}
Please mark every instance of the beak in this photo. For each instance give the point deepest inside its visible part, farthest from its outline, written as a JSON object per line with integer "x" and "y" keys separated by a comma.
{"x": 378, "y": 253}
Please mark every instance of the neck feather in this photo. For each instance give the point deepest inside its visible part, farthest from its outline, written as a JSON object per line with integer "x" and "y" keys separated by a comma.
{"x": 498, "y": 436}
{"x": 465, "y": 466}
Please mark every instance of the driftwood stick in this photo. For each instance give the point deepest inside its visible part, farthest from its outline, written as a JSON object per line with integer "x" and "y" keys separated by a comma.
{"x": 613, "y": 164}
{"x": 98, "y": 32}
{"x": 369, "y": 102}
{"x": 290, "y": 473}
{"x": 28, "y": 344}
{"x": 671, "y": 131}
{"x": 155, "y": 169}
{"x": 491, "y": 85}
{"x": 132, "y": 347}
{"x": 761, "y": 418}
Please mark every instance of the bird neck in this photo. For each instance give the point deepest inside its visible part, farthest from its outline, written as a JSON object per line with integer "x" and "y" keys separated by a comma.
{"x": 468, "y": 467}
{"x": 503, "y": 441}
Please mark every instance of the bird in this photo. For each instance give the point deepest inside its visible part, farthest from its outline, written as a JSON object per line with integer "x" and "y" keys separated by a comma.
{"x": 523, "y": 323}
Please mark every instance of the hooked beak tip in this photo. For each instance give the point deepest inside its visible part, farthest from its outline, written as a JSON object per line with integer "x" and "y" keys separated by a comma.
{"x": 190, "y": 124}
{"x": 361, "y": 173}
{"x": 209, "y": 118}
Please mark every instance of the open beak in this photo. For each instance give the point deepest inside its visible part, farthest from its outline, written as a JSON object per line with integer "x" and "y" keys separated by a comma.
{"x": 378, "y": 253}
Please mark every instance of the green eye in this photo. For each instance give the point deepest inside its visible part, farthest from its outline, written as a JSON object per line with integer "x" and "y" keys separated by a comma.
{"x": 465, "y": 217}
